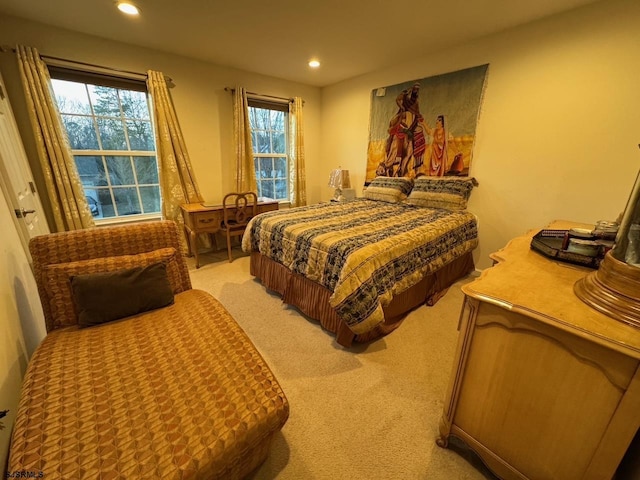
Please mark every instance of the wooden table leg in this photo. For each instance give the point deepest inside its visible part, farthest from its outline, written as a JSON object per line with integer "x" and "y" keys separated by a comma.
{"x": 194, "y": 246}
{"x": 188, "y": 235}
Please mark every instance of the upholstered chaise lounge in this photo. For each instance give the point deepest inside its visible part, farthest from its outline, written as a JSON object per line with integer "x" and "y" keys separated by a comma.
{"x": 175, "y": 392}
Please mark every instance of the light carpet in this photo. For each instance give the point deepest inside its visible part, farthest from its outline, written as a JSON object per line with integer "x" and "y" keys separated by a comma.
{"x": 368, "y": 412}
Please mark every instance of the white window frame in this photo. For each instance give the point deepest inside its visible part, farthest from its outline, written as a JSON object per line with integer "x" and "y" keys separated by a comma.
{"x": 283, "y": 106}
{"x": 87, "y": 78}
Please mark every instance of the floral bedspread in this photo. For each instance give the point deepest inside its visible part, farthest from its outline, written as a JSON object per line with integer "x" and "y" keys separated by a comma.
{"x": 363, "y": 251}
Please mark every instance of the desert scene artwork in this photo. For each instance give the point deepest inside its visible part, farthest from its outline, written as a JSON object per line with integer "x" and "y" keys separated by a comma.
{"x": 426, "y": 126}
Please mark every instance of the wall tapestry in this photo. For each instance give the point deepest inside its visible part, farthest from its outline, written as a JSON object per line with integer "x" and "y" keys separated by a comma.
{"x": 425, "y": 127}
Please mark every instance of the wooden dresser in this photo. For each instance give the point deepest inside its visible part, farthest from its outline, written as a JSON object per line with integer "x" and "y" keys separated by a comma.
{"x": 543, "y": 386}
{"x": 199, "y": 218}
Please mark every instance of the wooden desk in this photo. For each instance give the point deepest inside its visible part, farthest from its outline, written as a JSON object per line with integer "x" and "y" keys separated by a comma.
{"x": 543, "y": 386}
{"x": 201, "y": 219}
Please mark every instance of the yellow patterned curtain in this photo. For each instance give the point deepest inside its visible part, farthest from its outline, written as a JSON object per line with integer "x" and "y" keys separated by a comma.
{"x": 245, "y": 170}
{"x": 297, "y": 175}
{"x": 68, "y": 202}
{"x": 177, "y": 181}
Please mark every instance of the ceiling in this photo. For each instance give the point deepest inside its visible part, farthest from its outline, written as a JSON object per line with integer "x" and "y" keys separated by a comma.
{"x": 278, "y": 37}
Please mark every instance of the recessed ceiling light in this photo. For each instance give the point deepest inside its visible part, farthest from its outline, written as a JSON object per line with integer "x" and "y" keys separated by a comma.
{"x": 314, "y": 63}
{"x": 128, "y": 8}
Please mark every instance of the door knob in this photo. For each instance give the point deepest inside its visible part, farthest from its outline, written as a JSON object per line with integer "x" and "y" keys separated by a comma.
{"x": 21, "y": 212}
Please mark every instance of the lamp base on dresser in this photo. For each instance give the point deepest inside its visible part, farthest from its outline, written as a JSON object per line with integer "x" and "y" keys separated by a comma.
{"x": 614, "y": 289}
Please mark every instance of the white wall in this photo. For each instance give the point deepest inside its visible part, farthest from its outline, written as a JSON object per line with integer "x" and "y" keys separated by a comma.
{"x": 21, "y": 321}
{"x": 203, "y": 106}
{"x": 560, "y": 124}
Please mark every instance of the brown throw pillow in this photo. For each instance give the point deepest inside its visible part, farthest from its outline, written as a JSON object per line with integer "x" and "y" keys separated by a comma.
{"x": 57, "y": 278}
{"x": 103, "y": 297}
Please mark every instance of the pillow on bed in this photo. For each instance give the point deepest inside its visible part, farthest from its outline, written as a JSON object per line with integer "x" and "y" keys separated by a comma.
{"x": 104, "y": 297}
{"x": 388, "y": 189}
{"x": 450, "y": 193}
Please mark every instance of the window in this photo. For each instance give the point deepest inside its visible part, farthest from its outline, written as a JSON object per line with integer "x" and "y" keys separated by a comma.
{"x": 111, "y": 137}
{"x": 269, "y": 135}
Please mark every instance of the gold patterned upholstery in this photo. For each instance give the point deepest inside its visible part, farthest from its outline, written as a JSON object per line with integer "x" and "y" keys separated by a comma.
{"x": 100, "y": 249}
{"x": 178, "y": 392}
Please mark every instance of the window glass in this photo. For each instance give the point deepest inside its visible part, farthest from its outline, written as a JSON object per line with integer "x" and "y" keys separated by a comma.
{"x": 150, "y": 199}
{"x": 266, "y": 167}
{"x": 134, "y": 105}
{"x": 280, "y": 188}
{"x": 111, "y": 137}
{"x": 75, "y": 98}
{"x": 106, "y": 203}
{"x": 281, "y": 167}
{"x": 277, "y": 142}
{"x": 258, "y": 118}
{"x": 140, "y": 135}
{"x": 127, "y": 201}
{"x": 262, "y": 143}
{"x": 112, "y": 134}
{"x": 81, "y": 132}
{"x": 269, "y": 137}
{"x": 146, "y": 170}
{"x": 277, "y": 120}
{"x": 120, "y": 170}
{"x": 266, "y": 189}
{"x": 104, "y": 100}
{"x": 91, "y": 170}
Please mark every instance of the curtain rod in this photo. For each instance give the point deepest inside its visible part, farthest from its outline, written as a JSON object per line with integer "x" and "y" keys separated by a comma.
{"x": 229, "y": 89}
{"x": 66, "y": 62}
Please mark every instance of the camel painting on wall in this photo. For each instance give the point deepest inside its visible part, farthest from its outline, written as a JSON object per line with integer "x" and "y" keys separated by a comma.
{"x": 425, "y": 127}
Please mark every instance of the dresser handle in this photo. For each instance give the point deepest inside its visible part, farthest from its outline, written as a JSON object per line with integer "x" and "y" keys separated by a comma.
{"x": 207, "y": 220}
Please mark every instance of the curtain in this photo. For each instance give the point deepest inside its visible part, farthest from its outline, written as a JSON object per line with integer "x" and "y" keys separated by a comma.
{"x": 64, "y": 188}
{"x": 177, "y": 181}
{"x": 245, "y": 170}
{"x": 297, "y": 176}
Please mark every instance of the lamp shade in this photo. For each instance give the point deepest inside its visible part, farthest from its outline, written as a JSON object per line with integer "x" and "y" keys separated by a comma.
{"x": 339, "y": 178}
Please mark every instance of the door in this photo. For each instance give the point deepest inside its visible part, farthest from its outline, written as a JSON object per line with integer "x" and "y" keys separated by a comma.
{"x": 16, "y": 180}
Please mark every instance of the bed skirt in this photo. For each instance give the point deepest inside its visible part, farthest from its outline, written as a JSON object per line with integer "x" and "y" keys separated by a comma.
{"x": 312, "y": 299}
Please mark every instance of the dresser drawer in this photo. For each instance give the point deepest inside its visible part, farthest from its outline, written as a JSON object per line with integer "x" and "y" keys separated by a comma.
{"x": 207, "y": 221}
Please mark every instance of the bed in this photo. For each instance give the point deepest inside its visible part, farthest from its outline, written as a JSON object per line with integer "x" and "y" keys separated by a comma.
{"x": 358, "y": 267}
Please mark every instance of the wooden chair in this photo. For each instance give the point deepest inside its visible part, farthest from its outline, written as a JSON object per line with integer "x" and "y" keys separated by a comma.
{"x": 238, "y": 209}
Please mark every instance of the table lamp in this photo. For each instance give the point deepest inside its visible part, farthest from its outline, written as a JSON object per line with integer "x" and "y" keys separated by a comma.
{"x": 339, "y": 179}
